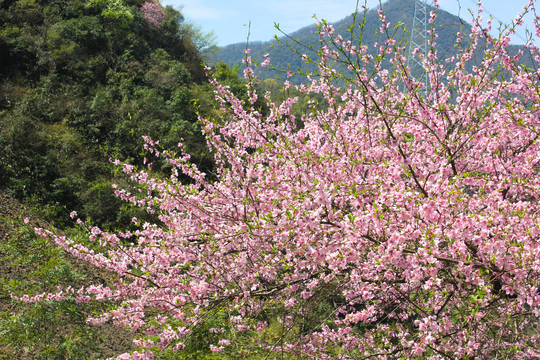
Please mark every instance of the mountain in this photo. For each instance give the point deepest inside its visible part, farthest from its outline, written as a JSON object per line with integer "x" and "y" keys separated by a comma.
{"x": 396, "y": 11}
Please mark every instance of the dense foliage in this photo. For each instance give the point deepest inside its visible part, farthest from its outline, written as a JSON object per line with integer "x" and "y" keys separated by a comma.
{"x": 392, "y": 222}
{"x": 82, "y": 81}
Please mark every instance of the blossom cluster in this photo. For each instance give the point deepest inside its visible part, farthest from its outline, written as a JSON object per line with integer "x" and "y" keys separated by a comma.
{"x": 153, "y": 12}
{"x": 413, "y": 214}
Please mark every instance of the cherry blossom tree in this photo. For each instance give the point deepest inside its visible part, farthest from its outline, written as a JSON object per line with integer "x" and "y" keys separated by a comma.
{"x": 393, "y": 222}
{"x": 153, "y": 12}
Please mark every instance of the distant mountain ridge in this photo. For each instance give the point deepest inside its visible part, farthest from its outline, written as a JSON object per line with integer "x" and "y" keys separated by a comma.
{"x": 396, "y": 12}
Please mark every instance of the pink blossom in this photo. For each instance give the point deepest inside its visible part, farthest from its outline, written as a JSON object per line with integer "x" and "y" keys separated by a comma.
{"x": 153, "y": 12}
{"x": 407, "y": 218}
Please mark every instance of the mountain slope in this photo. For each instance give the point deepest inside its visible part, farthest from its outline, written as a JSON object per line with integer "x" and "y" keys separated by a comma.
{"x": 396, "y": 11}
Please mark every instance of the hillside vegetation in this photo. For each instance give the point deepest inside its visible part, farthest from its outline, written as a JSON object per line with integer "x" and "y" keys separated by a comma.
{"x": 82, "y": 81}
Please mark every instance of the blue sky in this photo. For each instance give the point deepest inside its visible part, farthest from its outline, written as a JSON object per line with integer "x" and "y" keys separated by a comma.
{"x": 229, "y": 18}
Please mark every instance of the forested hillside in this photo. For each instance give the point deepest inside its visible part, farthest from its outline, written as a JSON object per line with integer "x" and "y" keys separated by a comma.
{"x": 82, "y": 81}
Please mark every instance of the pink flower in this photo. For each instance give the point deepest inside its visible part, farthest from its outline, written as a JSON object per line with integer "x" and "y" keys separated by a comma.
{"x": 153, "y": 12}
{"x": 365, "y": 197}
